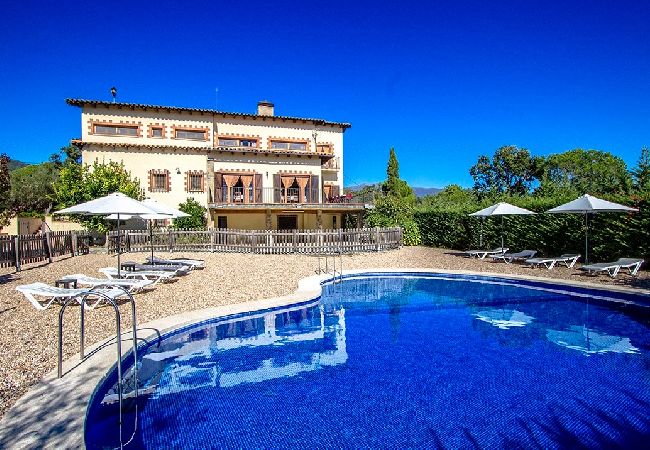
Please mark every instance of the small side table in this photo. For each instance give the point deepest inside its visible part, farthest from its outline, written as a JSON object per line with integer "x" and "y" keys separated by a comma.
{"x": 128, "y": 266}
{"x": 66, "y": 283}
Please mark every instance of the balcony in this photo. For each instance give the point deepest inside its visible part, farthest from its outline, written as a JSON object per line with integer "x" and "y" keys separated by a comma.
{"x": 289, "y": 197}
{"x": 332, "y": 164}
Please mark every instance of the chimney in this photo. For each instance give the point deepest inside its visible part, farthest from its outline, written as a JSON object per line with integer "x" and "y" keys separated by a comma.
{"x": 265, "y": 108}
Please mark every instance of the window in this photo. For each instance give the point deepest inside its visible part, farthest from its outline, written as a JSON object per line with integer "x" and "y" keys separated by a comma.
{"x": 194, "y": 181}
{"x": 324, "y": 148}
{"x": 237, "y": 142}
{"x": 156, "y": 132}
{"x": 116, "y": 130}
{"x": 159, "y": 181}
{"x": 284, "y": 145}
{"x": 197, "y": 135}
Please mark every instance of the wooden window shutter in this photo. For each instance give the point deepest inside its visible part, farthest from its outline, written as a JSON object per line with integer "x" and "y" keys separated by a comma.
{"x": 150, "y": 180}
{"x": 258, "y": 188}
{"x": 277, "y": 185}
{"x": 218, "y": 187}
{"x": 188, "y": 175}
{"x": 313, "y": 189}
{"x": 169, "y": 181}
{"x": 202, "y": 181}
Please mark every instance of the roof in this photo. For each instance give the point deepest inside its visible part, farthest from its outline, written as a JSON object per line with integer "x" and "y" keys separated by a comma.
{"x": 233, "y": 150}
{"x": 82, "y": 102}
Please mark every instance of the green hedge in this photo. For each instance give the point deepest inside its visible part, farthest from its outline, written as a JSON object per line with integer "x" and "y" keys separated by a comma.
{"x": 612, "y": 235}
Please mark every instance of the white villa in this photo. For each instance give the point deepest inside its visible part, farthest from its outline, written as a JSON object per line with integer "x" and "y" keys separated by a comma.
{"x": 252, "y": 171}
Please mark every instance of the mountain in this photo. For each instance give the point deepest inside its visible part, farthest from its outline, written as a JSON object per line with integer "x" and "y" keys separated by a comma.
{"x": 419, "y": 191}
{"x": 15, "y": 164}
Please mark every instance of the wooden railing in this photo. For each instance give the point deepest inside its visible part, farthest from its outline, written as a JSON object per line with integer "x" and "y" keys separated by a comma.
{"x": 27, "y": 248}
{"x": 259, "y": 241}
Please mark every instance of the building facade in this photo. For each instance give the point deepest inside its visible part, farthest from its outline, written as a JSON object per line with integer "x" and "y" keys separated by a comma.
{"x": 251, "y": 171}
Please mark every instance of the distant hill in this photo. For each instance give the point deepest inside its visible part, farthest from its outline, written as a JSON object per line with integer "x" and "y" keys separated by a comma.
{"x": 419, "y": 191}
{"x": 15, "y": 164}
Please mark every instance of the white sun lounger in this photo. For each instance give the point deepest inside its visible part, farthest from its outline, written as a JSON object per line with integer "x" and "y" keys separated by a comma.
{"x": 177, "y": 269}
{"x": 153, "y": 275}
{"x": 568, "y": 260}
{"x": 131, "y": 285}
{"x": 613, "y": 268}
{"x": 510, "y": 257}
{"x": 481, "y": 254}
{"x": 192, "y": 263}
{"x": 42, "y": 295}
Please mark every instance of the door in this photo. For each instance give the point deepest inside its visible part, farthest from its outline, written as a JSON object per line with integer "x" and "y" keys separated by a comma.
{"x": 287, "y": 222}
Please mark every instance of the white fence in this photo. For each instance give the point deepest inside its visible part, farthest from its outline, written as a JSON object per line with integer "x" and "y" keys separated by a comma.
{"x": 259, "y": 241}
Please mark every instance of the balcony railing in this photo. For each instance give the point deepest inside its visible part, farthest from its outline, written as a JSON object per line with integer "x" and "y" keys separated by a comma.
{"x": 241, "y": 196}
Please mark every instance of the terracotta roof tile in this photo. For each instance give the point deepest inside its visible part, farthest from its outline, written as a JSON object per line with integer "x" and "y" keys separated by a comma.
{"x": 82, "y": 102}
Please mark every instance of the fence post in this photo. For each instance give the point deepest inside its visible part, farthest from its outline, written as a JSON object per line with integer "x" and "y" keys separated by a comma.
{"x": 47, "y": 244}
{"x": 17, "y": 252}
{"x": 377, "y": 238}
{"x": 170, "y": 240}
{"x": 74, "y": 243}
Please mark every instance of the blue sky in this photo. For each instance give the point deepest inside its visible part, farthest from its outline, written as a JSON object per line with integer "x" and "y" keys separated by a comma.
{"x": 441, "y": 82}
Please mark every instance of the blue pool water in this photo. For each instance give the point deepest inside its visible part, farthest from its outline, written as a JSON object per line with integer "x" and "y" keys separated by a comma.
{"x": 398, "y": 361}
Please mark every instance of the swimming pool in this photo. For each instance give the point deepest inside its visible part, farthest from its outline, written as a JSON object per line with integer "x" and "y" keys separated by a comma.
{"x": 397, "y": 360}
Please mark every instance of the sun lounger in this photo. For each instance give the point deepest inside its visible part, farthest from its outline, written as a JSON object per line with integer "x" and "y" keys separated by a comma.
{"x": 510, "y": 257}
{"x": 192, "y": 263}
{"x": 568, "y": 260}
{"x": 42, "y": 295}
{"x": 613, "y": 268}
{"x": 130, "y": 285}
{"x": 153, "y": 275}
{"x": 178, "y": 269}
{"x": 481, "y": 254}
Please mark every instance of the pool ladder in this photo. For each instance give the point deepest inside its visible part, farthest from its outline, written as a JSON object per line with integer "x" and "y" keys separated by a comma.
{"x": 327, "y": 260}
{"x": 95, "y": 292}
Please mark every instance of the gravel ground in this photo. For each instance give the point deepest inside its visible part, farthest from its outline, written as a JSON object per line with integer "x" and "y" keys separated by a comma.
{"x": 28, "y": 340}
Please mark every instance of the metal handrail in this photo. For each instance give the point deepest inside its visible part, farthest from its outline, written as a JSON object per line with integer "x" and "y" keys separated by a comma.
{"x": 325, "y": 270}
{"x": 118, "y": 337}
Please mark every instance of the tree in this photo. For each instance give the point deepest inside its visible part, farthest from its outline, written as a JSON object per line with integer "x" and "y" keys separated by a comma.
{"x": 641, "y": 173}
{"x": 393, "y": 185}
{"x": 395, "y": 206}
{"x": 511, "y": 171}
{"x": 32, "y": 188}
{"x": 584, "y": 172}
{"x": 77, "y": 184}
{"x": 5, "y": 189}
{"x": 196, "y": 211}
{"x": 451, "y": 197}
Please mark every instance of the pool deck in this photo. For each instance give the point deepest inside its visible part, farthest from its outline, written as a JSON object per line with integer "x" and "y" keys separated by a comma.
{"x": 51, "y": 414}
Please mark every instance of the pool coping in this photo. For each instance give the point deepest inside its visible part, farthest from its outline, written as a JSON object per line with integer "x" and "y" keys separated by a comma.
{"x": 52, "y": 413}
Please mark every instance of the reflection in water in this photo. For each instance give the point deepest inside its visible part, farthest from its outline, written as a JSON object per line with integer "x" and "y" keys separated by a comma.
{"x": 504, "y": 318}
{"x": 589, "y": 342}
{"x": 202, "y": 359}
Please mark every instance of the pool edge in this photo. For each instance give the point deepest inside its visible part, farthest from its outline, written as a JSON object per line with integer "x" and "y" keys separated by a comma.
{"x": 52, "y": 413}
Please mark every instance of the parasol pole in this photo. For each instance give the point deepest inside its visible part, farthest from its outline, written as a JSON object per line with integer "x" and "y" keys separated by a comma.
{"x": 502, "y": 242}
{"x": 480, "y": 239}
{"x": 151, "y": 237}
{"x": 586, "y": 237}
{"x": 119, "y": 238}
